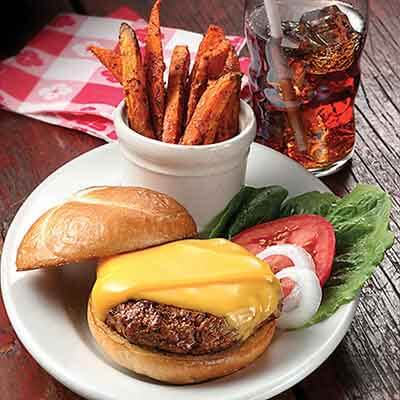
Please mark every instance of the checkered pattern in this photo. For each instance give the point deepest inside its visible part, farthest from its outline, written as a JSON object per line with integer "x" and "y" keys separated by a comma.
{"x": 56, "y": 80}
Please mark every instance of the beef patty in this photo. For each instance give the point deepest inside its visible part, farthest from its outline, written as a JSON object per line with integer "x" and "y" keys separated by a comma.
{"x": 168, "y": 328}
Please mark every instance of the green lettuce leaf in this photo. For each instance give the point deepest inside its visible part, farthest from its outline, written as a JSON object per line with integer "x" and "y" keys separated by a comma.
{"x": 361, "y": 223}
{"x": 218, "y": 227}
{"x": 263, "y": 207}
{"x": 309, "y": 203}
{"x": 250, "y": 206}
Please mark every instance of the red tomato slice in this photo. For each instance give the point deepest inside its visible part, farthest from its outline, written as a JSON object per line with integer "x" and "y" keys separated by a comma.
{"x": 287, "y": 286}
{"x": 312, "y": 232}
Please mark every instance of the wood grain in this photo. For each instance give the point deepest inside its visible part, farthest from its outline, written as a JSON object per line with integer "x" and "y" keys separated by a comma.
{"x": 29, "y": 152}
{"x": 20, "y": 376}
{"x": 366, "y": 364}
{"x": 194, "y": 15}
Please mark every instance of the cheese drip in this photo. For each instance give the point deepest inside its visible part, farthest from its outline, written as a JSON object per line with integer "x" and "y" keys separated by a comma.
{"x": 214, "y": 276}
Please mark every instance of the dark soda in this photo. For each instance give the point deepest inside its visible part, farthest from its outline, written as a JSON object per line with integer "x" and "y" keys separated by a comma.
{"x": 311, "y": 74}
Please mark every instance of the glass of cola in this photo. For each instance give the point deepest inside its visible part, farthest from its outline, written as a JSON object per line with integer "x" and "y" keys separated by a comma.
{"x": 304, "y": 82}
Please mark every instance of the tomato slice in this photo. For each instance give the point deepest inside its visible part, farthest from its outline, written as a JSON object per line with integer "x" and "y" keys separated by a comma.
{"x": 287, "y": 286}
{"x": 312, "y": 232}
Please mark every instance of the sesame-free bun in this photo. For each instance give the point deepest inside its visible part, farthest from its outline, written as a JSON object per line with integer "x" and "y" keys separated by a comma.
{"x": 178, "y": 368}
{"x": 103, "y": 221}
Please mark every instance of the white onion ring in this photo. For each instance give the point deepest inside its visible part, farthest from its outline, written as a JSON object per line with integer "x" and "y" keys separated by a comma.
{"x": 299, "y": 257}
{"x": 304, "y": 299}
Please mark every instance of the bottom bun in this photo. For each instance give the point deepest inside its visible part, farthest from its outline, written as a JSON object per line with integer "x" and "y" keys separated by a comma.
{"x": 176, "y": 368}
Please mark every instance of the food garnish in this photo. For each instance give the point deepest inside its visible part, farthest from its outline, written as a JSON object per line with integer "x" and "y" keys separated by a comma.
{"x": 264, "y": 206}
{"x": 303, "y": 301}
{"x": 311, "y": 232}
{"x": 249, "y": 207}
{"x": 346, "y": 237}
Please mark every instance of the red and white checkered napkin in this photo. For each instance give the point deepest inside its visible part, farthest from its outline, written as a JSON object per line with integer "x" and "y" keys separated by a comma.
{"x": 56, "y": 80}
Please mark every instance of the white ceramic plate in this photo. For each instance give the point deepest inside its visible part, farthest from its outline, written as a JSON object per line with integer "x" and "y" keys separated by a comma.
{"x": 48, "y": 308}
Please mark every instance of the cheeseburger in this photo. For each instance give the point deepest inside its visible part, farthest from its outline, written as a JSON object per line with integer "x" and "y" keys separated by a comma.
{"x": 164, "y": 305}
{"x": 184, "y": 312}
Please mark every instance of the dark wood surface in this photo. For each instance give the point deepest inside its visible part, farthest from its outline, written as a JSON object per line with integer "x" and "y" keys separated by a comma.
{"x": 366, "y": 364}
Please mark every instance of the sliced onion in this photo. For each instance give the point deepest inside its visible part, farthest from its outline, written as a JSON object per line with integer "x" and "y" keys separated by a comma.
{"x": 299, "y": 257}
{"x": 304, "y": 299}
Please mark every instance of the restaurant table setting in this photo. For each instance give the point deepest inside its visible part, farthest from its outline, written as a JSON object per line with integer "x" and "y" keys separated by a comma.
{"x": 184, "y": 216}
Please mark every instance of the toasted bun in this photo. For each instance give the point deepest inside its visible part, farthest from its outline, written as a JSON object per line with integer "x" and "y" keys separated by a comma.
{"x": 174, "y": 368}
{"x": 103, "y": 221}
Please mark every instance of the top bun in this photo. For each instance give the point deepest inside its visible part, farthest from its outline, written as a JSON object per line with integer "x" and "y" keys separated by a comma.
{"x": 103, "y": 221}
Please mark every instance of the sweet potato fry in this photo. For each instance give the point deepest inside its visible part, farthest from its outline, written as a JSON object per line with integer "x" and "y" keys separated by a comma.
{"x": 111, "y": 59}
{"x": 229, "y": 125}
{"x": 232, "y": 62}
{"x": 175, "y": 104}
{"x": 134, "y": 82}
{"x": 210, "y": 67}
{"x": 154, "y": 65}
{"x": 217, "y": 59}
{"x": 203, "y": 126}
{"x": 198, "y": 76}
{"x": 211, "y": 40}
{"x": 197, "y": 86}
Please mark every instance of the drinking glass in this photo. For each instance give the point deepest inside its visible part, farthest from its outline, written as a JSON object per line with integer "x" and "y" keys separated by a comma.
{"x": 304, "y": 81}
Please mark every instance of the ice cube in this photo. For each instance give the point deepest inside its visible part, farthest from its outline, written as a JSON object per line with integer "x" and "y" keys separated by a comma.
{"x": 291, "y": 36}
{"x": 324, "y": 27}
{"x": 328, "y": 40}
{"x": 303, "y": 87}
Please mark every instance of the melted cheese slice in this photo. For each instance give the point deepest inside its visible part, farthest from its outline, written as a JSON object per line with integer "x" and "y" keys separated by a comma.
{"x": 214, "y": 276}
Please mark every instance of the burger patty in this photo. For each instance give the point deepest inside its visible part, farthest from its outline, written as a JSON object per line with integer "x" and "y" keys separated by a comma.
{"x": 168, "y": 328}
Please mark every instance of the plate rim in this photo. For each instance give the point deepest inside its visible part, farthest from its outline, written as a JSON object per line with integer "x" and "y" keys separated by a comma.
{"x": 52, "y": 367}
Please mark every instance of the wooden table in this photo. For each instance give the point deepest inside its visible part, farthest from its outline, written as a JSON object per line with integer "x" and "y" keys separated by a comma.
{"x": 366, "y": 364}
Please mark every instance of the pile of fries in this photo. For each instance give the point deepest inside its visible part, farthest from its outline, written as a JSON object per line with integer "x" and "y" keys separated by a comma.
{"x": 197, "y": 108}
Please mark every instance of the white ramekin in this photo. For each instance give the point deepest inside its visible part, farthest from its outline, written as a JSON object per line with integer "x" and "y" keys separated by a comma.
{"x": 203, "y": 178}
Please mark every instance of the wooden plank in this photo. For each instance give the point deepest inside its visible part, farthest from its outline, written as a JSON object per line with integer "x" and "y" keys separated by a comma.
{"x": 30, "y": 151}
{"x": 360, "y": 367}
{"x": 20, "y": 376}
{"x": 366, "y": 364}
{"x": 194, "y": 15}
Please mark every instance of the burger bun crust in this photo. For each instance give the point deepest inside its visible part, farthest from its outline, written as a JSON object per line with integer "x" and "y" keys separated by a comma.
{"x": 176, "y": 368}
